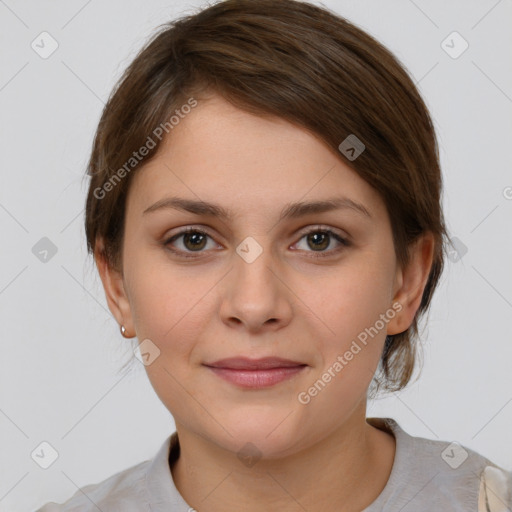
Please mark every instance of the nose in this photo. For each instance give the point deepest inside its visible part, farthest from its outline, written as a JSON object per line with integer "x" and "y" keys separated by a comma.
{"x": 255, "y": 295}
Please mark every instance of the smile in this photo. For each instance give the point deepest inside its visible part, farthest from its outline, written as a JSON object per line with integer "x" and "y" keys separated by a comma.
{"x": 257, "y": 378}
{"x": 260, "y": 373}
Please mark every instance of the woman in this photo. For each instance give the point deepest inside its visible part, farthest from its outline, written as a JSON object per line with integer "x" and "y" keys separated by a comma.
{"x": 265, "y": 214}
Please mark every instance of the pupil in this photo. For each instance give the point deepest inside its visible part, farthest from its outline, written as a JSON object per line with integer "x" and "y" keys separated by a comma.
{"x": 325, "y": 238}
{"x": 194, "y": 238}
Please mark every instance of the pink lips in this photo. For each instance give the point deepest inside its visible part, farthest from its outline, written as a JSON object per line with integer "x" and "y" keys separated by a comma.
{"x": 255, "y": 373}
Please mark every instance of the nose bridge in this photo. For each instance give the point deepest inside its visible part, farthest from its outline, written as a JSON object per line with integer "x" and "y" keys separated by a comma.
{"x": 253, "y": 263}
{"x": 255, "y": 292}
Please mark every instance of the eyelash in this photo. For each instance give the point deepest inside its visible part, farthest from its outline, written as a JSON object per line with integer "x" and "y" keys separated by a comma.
{"x": 343, "y": 241}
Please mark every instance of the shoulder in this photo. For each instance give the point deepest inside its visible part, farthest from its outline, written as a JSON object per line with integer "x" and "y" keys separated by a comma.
{"x": 495, "y": 491}
{"x": 436, "y": 473}
{"x": 124, "y": 492}
{"x": 464, "y": 475}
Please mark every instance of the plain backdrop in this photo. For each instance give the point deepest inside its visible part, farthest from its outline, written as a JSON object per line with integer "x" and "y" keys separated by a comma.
{"x": 60, "y": 346}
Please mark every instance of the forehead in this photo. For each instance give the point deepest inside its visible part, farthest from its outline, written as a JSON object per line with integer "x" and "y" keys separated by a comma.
{"x": 223, "y": 155}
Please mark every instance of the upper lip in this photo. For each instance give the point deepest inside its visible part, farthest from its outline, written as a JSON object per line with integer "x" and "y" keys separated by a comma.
{"x": 246, "y": 363}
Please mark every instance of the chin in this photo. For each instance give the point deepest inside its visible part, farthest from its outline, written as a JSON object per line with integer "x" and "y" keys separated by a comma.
{"x": 260, "y": 436}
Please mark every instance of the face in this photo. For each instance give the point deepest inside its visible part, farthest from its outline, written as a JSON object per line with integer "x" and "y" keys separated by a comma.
{"x": 266, "y": 281}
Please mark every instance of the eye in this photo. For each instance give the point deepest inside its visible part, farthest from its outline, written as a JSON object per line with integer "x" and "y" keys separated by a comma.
{"x": 194, "y": 240}
{"x": 320, "y": 239}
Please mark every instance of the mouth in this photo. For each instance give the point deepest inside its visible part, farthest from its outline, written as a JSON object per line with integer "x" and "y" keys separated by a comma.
{"x": 256, "y": 373}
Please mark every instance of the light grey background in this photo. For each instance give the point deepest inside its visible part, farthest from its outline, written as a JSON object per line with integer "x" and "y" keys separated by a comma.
{"x": 60, "y": 346}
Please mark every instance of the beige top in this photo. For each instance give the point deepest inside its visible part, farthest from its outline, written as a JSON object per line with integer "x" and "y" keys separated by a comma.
{"x": 427, "y": 475}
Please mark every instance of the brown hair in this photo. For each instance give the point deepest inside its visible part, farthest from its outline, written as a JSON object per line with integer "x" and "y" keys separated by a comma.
{"x": 304, "y": 64}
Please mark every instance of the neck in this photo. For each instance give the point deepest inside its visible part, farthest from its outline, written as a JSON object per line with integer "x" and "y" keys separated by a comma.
{"x": 343, "y": 472}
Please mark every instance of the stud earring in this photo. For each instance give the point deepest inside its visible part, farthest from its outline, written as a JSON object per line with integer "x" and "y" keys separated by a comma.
{"x": 123, "y": 331}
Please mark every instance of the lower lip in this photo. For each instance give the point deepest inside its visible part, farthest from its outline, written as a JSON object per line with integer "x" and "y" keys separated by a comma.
{"x": 257, "y": 378}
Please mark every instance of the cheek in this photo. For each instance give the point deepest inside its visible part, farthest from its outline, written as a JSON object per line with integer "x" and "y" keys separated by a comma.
{"x": 356, "y": 295}
{"x": 155, "y": 294}
{"x": 169, "y": 309}
{"x": 351, "y": 355}
{"x": 170, "y": 305}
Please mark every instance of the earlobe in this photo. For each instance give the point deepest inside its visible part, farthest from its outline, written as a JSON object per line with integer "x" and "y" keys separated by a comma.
{"x": 410, "y": 283}
{"x": 113, "y": 285}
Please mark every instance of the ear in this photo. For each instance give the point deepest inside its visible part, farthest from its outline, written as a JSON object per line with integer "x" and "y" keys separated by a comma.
{"x": 410, "y": 283}
{"x": 113, "y": 284}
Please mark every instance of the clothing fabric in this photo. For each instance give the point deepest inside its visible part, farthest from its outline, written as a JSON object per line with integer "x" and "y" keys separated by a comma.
{"x": 426, "y": 475}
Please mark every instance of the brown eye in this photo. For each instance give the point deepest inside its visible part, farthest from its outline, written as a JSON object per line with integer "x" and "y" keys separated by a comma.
{"x": 192, "y": 240}
{"x": 318, "y": 240}
{"x": 195, "y": 241}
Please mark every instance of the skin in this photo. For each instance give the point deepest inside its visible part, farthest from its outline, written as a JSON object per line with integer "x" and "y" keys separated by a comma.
{"x": 319, "y": 456}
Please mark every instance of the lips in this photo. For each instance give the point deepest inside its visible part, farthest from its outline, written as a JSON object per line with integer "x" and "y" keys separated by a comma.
{"x": 245, "y": 363}
{"x": 246, "y": 373}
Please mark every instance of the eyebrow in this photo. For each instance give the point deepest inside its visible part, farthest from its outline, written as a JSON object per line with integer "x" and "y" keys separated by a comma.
{"x": 290, "y": 211}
